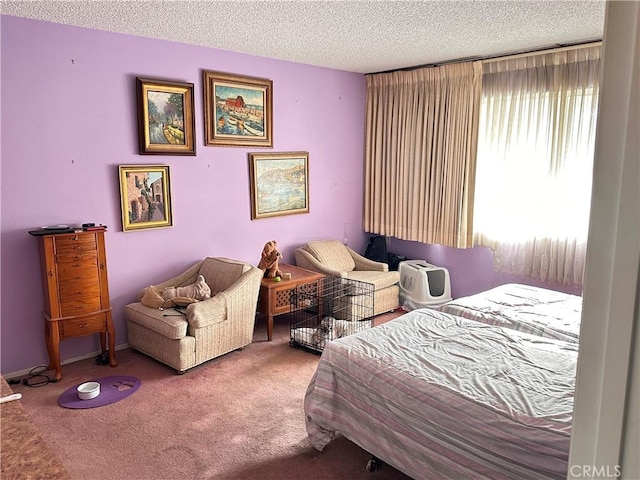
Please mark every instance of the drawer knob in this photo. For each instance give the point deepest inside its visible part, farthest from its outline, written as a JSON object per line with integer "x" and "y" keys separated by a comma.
{"x": 78, "y": 277}
{"x": 81, "y": 291}
{"x": 80, "y": 307}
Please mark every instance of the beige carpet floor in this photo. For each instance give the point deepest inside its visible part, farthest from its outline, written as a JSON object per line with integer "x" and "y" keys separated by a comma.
{"x": 237, "y": 417}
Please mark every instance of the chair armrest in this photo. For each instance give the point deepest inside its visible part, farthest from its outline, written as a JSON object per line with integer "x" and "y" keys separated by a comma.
{"x": 305, "y": 260}
{"x": 207, "y": 312}
{"x": 236, "y": 303}
{"x": 363, "y": 263}
{"x": 187, "y": 277}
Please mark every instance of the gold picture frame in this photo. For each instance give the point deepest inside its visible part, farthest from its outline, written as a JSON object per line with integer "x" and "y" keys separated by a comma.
{"x": 145, "y": 196}
{"x": 238, "y": 110}
{"x": 279, "y": 184}
{"x": 165, "y": 117}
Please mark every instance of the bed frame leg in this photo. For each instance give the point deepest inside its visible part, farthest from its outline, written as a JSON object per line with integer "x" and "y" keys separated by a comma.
{"x": 373, "y": 464}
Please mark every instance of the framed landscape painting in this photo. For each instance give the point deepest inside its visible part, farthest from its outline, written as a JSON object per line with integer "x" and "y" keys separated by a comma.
{"x": 165, "y": 117}
{"x": 279, "y": 184}
{"x": 237, "y": 110}
{"x": 145, "y": 196}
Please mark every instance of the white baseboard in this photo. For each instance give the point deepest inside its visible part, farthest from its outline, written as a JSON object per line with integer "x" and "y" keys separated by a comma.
{"x": 26, "y": 371}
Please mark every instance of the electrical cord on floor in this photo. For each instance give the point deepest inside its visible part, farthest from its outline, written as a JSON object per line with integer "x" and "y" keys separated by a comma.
{"x": 37, "y": 377}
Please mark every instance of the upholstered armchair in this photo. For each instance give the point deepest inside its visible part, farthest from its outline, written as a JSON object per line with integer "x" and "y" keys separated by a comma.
{"x": 331, "y": 257}
{"x": 206, "y": 329}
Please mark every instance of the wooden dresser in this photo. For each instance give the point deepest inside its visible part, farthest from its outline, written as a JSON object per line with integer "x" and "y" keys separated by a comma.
{"x": 76, "y": 292}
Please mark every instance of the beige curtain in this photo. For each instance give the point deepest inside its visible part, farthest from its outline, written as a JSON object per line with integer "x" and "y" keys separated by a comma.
{"x": 535, "y": 161}
{"x": 420, "y": 153}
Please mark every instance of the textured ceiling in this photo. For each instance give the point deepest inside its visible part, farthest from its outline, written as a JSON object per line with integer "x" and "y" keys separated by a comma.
{"x": 359, "y": 36}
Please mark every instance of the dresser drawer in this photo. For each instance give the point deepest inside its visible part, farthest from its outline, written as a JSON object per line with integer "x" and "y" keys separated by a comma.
{"x": 78, "y": 290}
{"x": 80, "y": 307}
{"x": 76, "y": 259}
{"x": 75, "y": 243}
{"x": 71, "y": 255}
{"x": 82, "y": 326}
{"x": 72, "y": 273}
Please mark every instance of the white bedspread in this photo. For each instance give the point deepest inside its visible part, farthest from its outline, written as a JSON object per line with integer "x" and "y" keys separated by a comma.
{"x": 438, "y": 396}
{"x": 533, "y": 310}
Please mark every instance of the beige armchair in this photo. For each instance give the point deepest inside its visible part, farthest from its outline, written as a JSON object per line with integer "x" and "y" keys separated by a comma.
{"x": 331, "y": 257}
{"x": 207, "y": 329}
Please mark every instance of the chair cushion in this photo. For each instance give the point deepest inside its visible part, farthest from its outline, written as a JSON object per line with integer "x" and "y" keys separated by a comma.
{"x": 332, "y": 254}
{"x": 168, "y": 323}
{"x": 380, "y": 280}
{"x": 220, "y": 273}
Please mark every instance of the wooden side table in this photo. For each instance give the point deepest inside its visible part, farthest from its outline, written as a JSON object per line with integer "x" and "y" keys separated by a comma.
{"x": 275, "y": 297}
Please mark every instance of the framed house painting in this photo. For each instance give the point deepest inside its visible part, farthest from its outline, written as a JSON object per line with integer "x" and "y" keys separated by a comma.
{"x": 237, "y": 110}
{"x": 165, "y": 117}
{"x": 279, "y": 184}
{"x": 145, "y": 196}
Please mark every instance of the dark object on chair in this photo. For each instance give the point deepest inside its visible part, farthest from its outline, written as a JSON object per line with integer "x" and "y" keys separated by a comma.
{"x": 377, "y": 251}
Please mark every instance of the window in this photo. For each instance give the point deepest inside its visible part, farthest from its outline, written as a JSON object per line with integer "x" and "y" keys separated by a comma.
{"x": 535, "y": 162}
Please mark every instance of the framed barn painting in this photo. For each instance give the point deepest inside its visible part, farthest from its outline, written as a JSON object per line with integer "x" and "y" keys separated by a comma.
{"x": 165, "y": 117}
{"x": 145, "y": 196}
{"x": 237, "y": 110}
{"x": 279, "y": 184}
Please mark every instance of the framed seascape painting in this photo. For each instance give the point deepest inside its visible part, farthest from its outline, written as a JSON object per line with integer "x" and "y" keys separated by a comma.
{"x": 279, "y": 184}
{"x": 237, "y": 110}
{"x": 165, "y": 117}
{"x": 145, "y": 196}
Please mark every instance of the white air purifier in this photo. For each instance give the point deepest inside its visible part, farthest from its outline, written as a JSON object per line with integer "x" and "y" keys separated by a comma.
{"x": 423, "y": 285}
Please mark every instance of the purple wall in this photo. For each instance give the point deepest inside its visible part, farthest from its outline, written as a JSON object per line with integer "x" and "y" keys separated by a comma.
{"x": 69, "y": 119}
{"x": 471, "y": 270}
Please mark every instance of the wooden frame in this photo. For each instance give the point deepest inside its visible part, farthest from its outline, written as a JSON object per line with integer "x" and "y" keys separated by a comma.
{"x": 165, "y": 117}
{"x": 238, "y": 110}
{"x": 279, "y": 184}
{"x": 145, "y": 196}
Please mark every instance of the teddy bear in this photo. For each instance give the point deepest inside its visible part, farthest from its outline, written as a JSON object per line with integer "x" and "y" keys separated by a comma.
{"x": 269, "y": 260}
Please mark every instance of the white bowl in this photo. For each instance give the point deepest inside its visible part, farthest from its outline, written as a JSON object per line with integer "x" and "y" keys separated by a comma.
{"x": 88, "y": 390}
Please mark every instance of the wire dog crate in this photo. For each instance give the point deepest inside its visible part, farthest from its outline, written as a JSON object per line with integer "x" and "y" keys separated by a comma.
{"x": 338, "y": 308}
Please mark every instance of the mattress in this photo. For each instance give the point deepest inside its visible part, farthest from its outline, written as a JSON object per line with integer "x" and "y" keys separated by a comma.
{"x": 438, "y": 396}
{"x": 525, "y": 308}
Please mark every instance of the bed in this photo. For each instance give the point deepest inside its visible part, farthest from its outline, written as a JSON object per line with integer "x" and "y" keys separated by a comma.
{"x": 525, "y": 308}
{"x": 439, "y": 396}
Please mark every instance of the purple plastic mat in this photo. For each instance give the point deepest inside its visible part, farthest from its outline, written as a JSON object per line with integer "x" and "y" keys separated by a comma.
{"x": 112, "y": 389}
